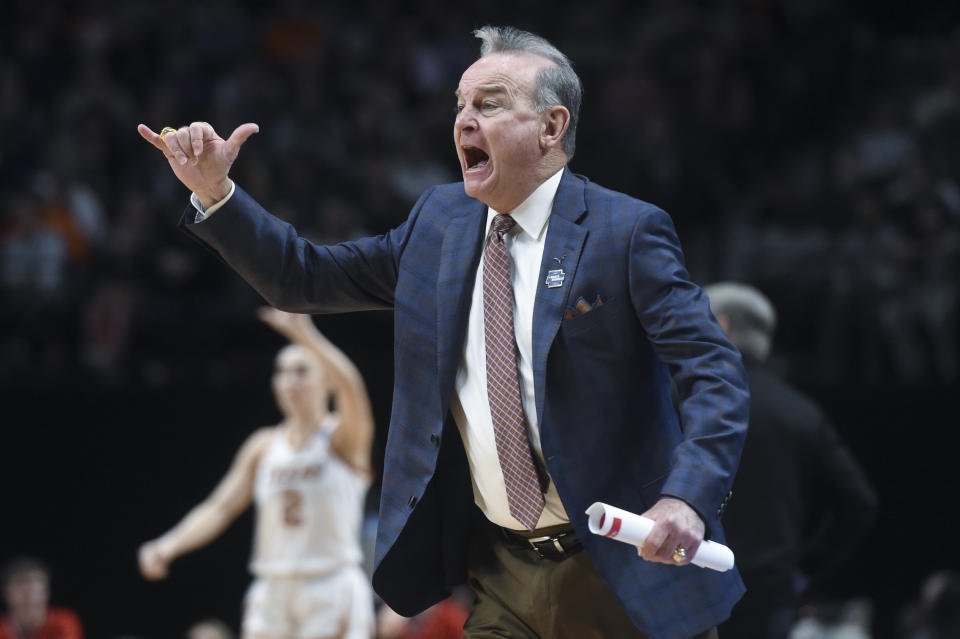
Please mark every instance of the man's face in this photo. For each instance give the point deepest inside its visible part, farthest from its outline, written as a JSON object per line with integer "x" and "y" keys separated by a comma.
{"x": 497, "y": 131}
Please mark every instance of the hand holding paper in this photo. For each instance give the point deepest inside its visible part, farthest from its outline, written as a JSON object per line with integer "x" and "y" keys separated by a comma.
{"x": 631, "y": 528}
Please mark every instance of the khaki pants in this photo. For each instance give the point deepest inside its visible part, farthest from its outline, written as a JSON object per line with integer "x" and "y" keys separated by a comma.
{"x": 521, "y": 596}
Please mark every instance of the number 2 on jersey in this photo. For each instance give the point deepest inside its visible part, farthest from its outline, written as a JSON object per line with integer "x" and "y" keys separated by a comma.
{"x": 292, "y": 507}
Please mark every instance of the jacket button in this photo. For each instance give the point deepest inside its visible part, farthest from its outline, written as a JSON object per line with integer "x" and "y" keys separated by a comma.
{"x": 412, "y": 501}
{"x": 435, "y": 439}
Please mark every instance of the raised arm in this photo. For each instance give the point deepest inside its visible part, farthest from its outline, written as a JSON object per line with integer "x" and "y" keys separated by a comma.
{"x": 206, "y": 521}
{"x": 289, "y": 271}
{"x": 353, "y": 438}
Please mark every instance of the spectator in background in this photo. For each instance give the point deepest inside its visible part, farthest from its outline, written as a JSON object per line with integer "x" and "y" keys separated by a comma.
{"x": 26, "y": 591}
{"x": 33, "y": 252}
{"x": 801, "y": 501}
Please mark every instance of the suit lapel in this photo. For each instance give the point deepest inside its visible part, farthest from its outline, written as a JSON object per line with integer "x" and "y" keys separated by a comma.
{"x": 459, "y": 257}
{"x": 565, "y": 238}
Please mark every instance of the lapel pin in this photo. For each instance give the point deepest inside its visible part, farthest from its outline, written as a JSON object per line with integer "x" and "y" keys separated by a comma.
{"x": 555, "y": 276}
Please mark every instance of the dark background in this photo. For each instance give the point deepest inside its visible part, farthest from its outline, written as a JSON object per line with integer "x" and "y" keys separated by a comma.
{"x": 804, "y": 146}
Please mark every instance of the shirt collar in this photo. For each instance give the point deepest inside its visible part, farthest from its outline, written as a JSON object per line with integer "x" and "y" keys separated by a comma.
{"x": 532, "y": 214}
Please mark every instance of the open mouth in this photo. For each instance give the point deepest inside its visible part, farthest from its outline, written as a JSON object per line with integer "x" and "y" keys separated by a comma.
{"x": 475, "y": 158}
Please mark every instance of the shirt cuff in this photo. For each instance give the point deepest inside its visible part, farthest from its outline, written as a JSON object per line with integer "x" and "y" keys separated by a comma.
{"x": 204, "y": 214}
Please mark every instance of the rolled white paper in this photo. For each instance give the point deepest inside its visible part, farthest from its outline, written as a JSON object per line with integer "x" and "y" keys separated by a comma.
{"x": 631, "y": 528}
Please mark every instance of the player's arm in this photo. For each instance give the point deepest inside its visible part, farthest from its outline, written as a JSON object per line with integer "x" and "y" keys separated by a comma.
{"x": 353, "y": 438}
{"x": 206, "y": 521}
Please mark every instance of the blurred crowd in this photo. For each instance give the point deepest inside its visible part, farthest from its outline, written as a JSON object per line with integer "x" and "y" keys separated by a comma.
{"x": 800, "y": 146}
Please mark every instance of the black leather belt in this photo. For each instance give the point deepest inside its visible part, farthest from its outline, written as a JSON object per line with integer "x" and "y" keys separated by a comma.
{"x": 557, "y": 546}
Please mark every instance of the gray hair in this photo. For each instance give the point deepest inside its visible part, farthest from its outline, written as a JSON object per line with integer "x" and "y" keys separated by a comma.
{"x": 750, "y": 315}
{"x": 556, "y": 85}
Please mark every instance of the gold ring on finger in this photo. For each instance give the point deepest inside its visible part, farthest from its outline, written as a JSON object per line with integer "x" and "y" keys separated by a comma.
{"x": 679, "y": 554}
{"x": 164, "y": 131}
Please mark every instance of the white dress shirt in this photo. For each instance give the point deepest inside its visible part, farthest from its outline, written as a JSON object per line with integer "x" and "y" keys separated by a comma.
{"x": 202, "y": 213}
{"x": 470, "y": 406}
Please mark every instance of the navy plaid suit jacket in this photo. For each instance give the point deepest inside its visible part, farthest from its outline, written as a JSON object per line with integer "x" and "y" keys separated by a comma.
{"x": 609, "y": 427}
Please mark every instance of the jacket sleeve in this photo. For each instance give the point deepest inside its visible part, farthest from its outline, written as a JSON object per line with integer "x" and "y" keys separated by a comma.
{"x": 294, "y": 274}
{"x": 711, "y": 386}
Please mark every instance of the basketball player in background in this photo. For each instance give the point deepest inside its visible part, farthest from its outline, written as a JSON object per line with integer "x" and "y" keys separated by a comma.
{"x": 308, "y": 477}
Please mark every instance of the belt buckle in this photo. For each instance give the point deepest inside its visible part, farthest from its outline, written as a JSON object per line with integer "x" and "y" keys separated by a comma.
{"x": 554, "y": 539}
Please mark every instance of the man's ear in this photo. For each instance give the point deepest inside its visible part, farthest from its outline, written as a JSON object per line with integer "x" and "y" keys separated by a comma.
{"x": 553, "y": 125}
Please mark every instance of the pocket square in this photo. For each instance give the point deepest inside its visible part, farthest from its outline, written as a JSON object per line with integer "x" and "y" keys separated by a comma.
{"x": 581, "y": 306}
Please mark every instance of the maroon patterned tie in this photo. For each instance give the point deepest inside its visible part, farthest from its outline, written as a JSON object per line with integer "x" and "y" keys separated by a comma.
{"x": 503, "y": 385}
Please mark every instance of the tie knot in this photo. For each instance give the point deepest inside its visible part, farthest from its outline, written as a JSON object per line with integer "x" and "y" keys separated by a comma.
{"x": 502, "y": 223}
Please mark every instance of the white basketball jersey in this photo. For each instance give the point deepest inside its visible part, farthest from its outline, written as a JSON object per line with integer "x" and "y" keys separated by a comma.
{"x": 309, "y": 506}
